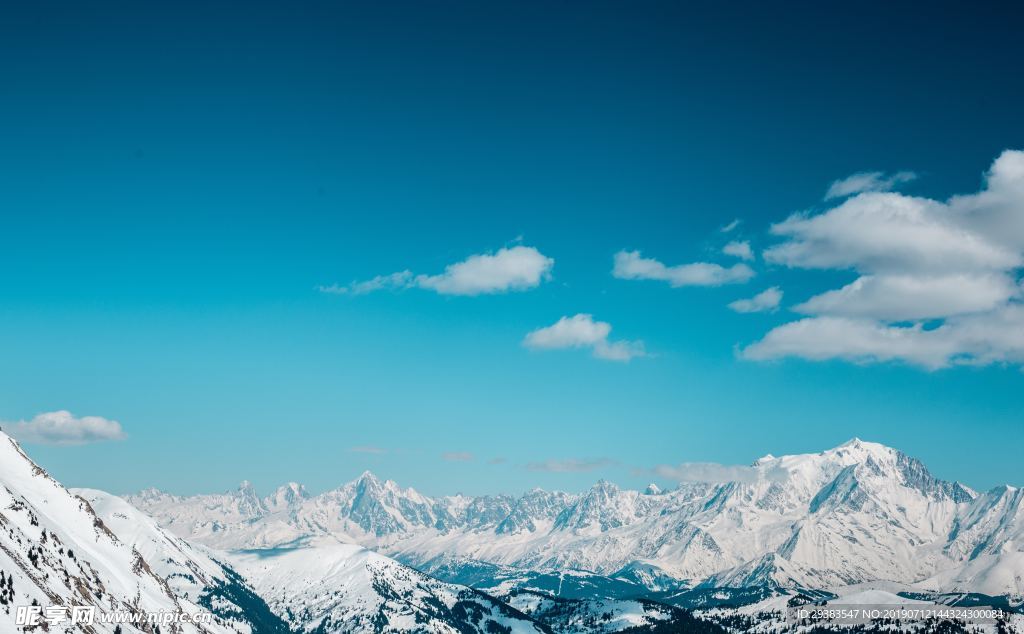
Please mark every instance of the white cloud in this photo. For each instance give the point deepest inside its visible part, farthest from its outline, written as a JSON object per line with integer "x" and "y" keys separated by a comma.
{"x": 630, "y": 265}
{"x": 766, "y": 300}
{"x": 910, "y": 297}
{"x": 516, "y": 268}
{"x": 457, "y": 456}
{"x": 938, "y": 282}
{"x": 714, "y": 473}
{"x": 571, "y": 465}
{"x": 739, "y": 249}
{"x": 856, "y": 340}
{"x": 979, "y": 339}
{"x": 887, "y": 233}
{"x": 581, "y": 331}
{"x": 732, "y": 225}
{"x": 509, "y": 269}
{"x": 867, "y": 182}
{"x": 996, "y": 212}
{"x": 63, "y": 428}
{"x": 619, "y": 350}
{"x": 570, "y": 332}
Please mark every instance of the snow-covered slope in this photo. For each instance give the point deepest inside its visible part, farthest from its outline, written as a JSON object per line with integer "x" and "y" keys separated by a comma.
{"x": 989, "y": 539}
{"x": 327, "y": 586}
{"x": 857, "y": 513}
{"x": 56, "y": 550}
{"x": 193, "y": 573}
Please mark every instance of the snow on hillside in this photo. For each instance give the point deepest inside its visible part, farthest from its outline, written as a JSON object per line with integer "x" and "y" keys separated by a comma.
{"x": 55, "y": 550}
{"x": 327, "y": 586}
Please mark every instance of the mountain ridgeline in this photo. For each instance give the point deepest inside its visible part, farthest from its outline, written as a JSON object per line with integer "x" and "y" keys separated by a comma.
{"x": 858, "y": 513}
{"x": 861, "y": 523}
{"x": 64, "y": 548}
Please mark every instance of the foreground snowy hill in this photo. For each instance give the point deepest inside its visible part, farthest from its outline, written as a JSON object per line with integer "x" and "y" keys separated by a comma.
{"x": 860, "y": 512}
{"x": 191, "y": 572}
{"x": 56, "y": 550}
{"x": 326, "y": 586}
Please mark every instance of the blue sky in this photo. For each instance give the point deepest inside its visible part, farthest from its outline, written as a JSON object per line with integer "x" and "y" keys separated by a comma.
{"x": 177, "y": 182}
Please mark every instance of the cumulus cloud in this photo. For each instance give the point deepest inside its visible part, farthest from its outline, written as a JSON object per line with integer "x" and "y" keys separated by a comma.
{"x": 571, "y": 465}
{"x": 714, "y": 473}
{"x": 766, "y": 300}
{"x": 581, "y": 331}
{"x": 515, "y": 268}
{"x": 979, "y": 339}
{"x": 630, "y": 265}
{"x": 914, "y": 297}
{"x": 887, "y": 233}
{"x": 739, "y": 249}
{"x": 729, "y": 227}
{"x": 867, "y": 182}
{"x": 938, "y": 282}
{"x": 457, "y": 456}
{"x": 63, "y": 428}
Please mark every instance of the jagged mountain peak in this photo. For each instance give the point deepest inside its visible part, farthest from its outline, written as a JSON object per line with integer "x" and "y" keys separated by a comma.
{"x": 367, "y": 476}
{"x": 293, "y": 487}
{"x": 287, "y": 496}
{"x": 605, "y": 486}
{"x": 152, "y": 494}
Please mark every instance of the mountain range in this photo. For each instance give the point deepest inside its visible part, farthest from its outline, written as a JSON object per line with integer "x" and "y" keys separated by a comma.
{"x": 64, "y": 548}
{"x": 857, "y": 523}
{"x": 858, "y": 513}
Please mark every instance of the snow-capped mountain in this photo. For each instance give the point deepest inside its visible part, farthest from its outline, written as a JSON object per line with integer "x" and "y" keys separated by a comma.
{"x": 57, "y": 549}
{"x": 860, "y": 512}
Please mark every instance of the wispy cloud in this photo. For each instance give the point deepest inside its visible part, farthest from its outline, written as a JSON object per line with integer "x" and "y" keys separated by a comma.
{"x": 714, "y": 473}
{"x": 369, "y": 450}
{"x": 766, "y": 300}
{"x": 581, "y": 331}
{"x": 729, "y": 227}
{"x": 571, "y": 465}
{"x": 401, "y": 279}
{"x": 867, "y": 182}
{"x": 514, "y": 268}
{"x": 63, "y": 428}
{"x": 630, "y": 265}
{"x": 457, "y": 456}
{"x": 497, "y": 460}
